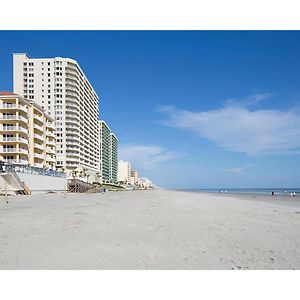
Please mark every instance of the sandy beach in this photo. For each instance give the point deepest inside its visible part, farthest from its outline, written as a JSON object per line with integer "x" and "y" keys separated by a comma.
{"x": 149, "y": 230}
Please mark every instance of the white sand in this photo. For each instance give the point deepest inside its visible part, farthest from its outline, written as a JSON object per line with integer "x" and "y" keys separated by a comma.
{"x": 148, "y": 230}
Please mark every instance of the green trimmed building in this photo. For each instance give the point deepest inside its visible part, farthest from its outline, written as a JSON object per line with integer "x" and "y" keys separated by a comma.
{"x": 108, "y": 154}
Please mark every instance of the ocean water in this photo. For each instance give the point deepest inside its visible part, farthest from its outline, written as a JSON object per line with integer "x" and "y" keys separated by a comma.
{"x": 260, "y": 191}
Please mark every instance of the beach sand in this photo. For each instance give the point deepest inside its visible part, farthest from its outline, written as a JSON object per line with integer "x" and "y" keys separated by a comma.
{"x": 149, "y": 230}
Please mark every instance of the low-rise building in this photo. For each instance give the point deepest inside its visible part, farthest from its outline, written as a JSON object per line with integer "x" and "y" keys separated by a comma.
{"x": 134, "y": 177}
{"x": 145, "y": 183}
{"x": 26, "y": 133}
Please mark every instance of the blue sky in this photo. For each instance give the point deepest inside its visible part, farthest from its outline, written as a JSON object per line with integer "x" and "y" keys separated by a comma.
{"x": 191, "y": 109}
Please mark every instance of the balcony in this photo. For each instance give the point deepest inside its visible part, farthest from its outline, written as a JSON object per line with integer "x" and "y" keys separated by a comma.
{"x": 39, "y": 118}
{"x": 50, "y": 125}
{"x": 14, "y": 150}
{"x": 50, "y": 150}
{"x": 13, "y": 117}
{"x": 38, "y": 146}
{"x": 13, "y": 107}
{"x": 38, "y": 155}
{"x": 38, "y": 127}
{"x": 50, "y": 142}
{"x": 38, "y": 137}
{"x": 73, "y": 154}
{"x": 50, "y": 134}
{"x": 13, "y": 139}
{"x": 14, "y": 128}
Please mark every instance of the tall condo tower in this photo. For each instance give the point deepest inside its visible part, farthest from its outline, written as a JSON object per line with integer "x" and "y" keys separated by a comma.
{"x": 108, "y": 153}
{"x": 61, "y": 88}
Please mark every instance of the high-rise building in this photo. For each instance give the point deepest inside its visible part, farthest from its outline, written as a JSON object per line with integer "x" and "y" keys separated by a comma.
{"x": 104, "y": 150}
{"x": 61, "y": 88}
{"x": 26, "y": 133}
{"x": 113, "y": 158}
{"x": 124, "y": 171}
{"x": 108, "y": 153}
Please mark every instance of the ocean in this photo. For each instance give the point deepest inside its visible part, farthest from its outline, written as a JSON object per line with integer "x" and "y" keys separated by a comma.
{"x": 257, "y": 191}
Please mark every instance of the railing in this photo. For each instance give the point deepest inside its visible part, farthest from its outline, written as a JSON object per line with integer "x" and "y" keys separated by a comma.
{"x": 40, "y": 128}
{"x": 15, "y": 161}
{"x": 37, "y": 136}
{"x": 38, "y": 155}
{"x": 8, "y": 149}
{"x": 13, "y": 106}
{"x": 39, "y": 118}
{"x": 13, "y": 117}
{"x": 38, "y": 146}
{"x": 13, "y": 139}
{"x": 30, "y": 170}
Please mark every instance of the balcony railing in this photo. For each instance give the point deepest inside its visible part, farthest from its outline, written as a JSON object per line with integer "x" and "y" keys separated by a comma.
{"x": 38, "y": 146}
{"x": 38, "y": 127}
{"x": 13, "y": 139}
{"x": 50, "y": 125}
{"x": 14, "y": 128}
{"x": 13, "y": 106}
{"x": 39, "y": 137}
{"x": 16, "y": 161}
{"x": 39, "y": 118}
{"x": 13, "y": 117}
{"x": 38, "y": 155}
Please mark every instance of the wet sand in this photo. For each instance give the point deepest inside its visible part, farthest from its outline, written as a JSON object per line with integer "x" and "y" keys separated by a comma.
{"x": 149, "y": 230}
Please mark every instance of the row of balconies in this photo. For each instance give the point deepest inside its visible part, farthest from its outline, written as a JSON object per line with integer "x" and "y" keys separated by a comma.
{"x": 14, "y": 150}
{"x": 14, "y": 128}
{"x": 6, "y": 106}
{"x": 14, "y": 139}
{"x": 13, "y": 117}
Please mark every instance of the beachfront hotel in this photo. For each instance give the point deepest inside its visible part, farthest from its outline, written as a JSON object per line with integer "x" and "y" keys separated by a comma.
{"x": 26, "y": 133}
{"x": 113, "y": 163}
{"x": 124, "y": 171}
{"x": 108, "y": 153}
{"x": 61, "y": 88}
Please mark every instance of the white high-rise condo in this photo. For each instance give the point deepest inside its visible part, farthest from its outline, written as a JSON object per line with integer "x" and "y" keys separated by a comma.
{"x": 61, "y": 88}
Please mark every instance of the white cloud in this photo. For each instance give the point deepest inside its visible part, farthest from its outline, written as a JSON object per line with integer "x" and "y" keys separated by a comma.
{"x": 238, "y": 170}
{"x": 145, "y": 157}
{"x": 237, "y": 128}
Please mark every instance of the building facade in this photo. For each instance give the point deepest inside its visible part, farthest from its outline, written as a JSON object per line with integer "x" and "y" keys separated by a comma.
{"x": 26, "y": 133}
{"x": 61, "y": 88}
{"x": 124, "y": 171}
{"x": 113, "y": 158}
{"x": 108, "y": 153}
{"x": 104, "y": 151}
{"x": 134, "y": 177}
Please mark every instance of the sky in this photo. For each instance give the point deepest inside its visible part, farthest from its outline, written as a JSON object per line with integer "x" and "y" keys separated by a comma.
{"x": 191, "y": 109}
